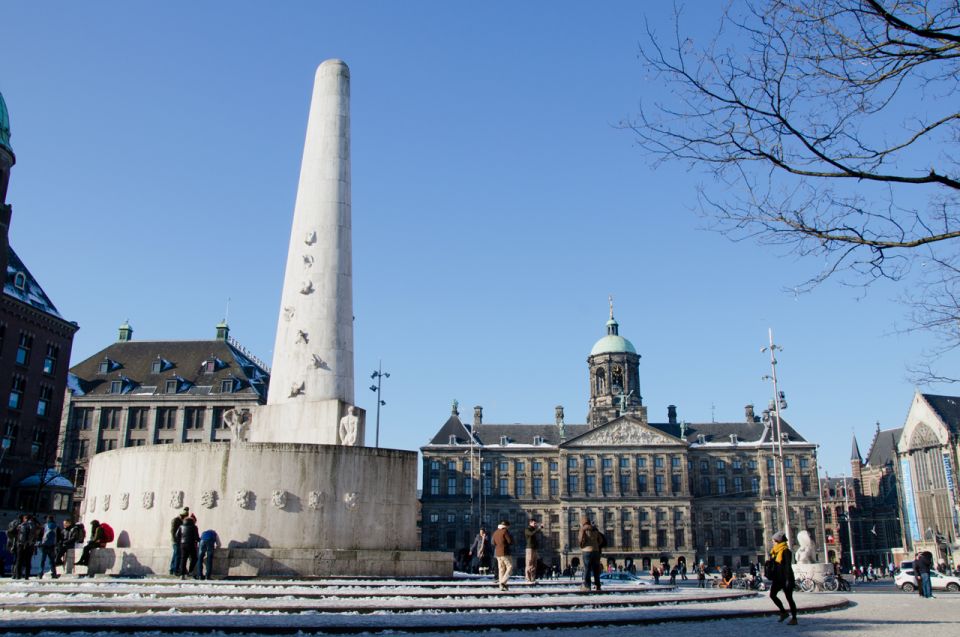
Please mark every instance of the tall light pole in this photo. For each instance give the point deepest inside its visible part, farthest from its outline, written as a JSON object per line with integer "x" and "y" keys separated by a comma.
{"x": 378, "y": 375}
{"x": 779, "y": 401}
{"x": 846, "y": 506}
{"x": 823, "y": 520}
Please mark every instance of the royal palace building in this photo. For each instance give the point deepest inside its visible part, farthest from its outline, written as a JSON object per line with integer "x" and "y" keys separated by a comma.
{"x": 658, "y": 490}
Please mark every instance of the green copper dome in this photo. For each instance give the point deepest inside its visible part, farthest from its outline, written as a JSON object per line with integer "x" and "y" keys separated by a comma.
{"x": 613, "y": 343}
{"x": 4, "y": 125}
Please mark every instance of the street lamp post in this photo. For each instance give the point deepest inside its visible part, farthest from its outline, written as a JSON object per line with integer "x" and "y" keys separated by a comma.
{"x": 846, "y": 506}
{"x": 823, "y": 520}
{"x": 378, "y": 375}
{"x": 779, "y": 402}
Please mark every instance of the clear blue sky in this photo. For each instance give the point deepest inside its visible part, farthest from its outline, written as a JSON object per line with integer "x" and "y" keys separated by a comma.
{"x": 495, "y": 206}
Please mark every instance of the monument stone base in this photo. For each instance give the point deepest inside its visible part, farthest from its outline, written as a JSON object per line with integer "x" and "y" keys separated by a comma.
{"x": 281, "y": 563}
{"x": 309, "y": 422}
{"x": 817, "y": 572}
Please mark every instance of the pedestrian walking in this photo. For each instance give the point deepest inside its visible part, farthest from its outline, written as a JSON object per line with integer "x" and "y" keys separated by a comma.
{"x": 502, "y": 543}
{"x": 480, "y": 552}
{"x": 781, "y": 576}
{"x": 209, "y": 541}
{"x": 701, "y": 576}
{"x": 922, "y": 565}
{"x": 24, "y": 547}
{"x": 592, "y": 544}
{"x": 533, "y": 535}
{"x": 174, "y": 527}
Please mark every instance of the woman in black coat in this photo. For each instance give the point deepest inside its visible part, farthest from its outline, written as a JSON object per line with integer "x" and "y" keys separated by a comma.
{"x": 782, "y": 562}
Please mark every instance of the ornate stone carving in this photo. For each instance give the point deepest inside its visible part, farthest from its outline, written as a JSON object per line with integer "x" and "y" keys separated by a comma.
{"x": 311, "y": 238}
{"x": 106, "y": 503}
{"x": 244, "y": 498}
{"x": 146, "y": 499}
{"x": 807, "y": 553}
{"x": 348, "y": 427}
{"x": 279, "y": 498}
{"x": 124, "y": 501}
{"x": 307, "y": 261}
{"x": 302, "y": 337}
{"x": 288, "y": 313}
{"x": 623, "y": 432}
{"x": 208, "y": 499}
{"x": 92, "y": 504}
{"x": 306, "y": 287}
{"x": 238, "y": 421}
{"x": 297, "y": 389}
{"x": 923, "y": 436}
{"x": 315, "y": 499}
{"x": 319, "y": 363}
{"x": 351, "y": 501}
{"x": 176, "y": 499}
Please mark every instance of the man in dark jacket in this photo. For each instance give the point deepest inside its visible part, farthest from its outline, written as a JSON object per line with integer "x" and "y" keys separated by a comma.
{"x": 783, "y": 579}
{"x": 480, "y": 550}
{"x": 533, "y": 535}
{"x": 502, "y": 541}
{"x": 174, "y": 526}
{"x": 209, "y": 541}
{"x": 24, "y": 547}
{"x": 188, "y": 537}
{"x": 591, "y": 546}
{"x": 96, "y": 540}
{"x": 922, "y": 565}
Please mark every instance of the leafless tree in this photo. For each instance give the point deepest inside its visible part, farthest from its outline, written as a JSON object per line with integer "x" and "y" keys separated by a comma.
{"x": 831, "y": 129}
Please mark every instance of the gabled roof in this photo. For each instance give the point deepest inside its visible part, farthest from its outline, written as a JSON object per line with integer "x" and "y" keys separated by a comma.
{"x": 948, "y": 408}
{"x": 134, "y": 360}
{"x": 524, "y": 434}
{"x": 30, "y": 291}
{"x": 884, "y": 448}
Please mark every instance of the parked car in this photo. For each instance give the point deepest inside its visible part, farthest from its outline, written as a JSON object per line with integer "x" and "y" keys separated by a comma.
{"x": 621, "y": 577}
{"x": 906, "y": 580}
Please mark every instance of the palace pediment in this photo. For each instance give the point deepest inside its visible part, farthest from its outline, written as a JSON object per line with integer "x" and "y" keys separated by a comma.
{"x": 622, "y": 432}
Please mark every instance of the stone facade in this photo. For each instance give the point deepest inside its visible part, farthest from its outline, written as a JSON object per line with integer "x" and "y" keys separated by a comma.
{"x": 135, "y": 393}
{"x": 659, "y": 490}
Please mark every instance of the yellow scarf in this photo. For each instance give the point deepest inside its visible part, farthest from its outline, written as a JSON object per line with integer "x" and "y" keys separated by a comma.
{"x": 777, "y": 552}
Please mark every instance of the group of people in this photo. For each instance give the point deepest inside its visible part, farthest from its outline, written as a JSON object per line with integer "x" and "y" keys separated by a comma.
{"x": 501, "y": 546}
{"x": 26, "y": 535}
{"x": 192, "y": 550}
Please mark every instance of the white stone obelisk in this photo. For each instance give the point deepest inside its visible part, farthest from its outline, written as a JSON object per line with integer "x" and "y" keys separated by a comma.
{"x": 313, "y": 352}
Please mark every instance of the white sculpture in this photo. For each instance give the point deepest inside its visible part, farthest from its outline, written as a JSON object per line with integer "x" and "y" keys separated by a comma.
{"x": 238, "y": 421}
{"x": 208, "y": 499}
{"x": 279, "y": 498}
{"x": 351, "y": 501}
{"x": 176, "y": 499}
{"x": 147, "y": 499}
{"x": 92, "y": 507}
{"x": 124, "y": 501}
{"x": 244, "y": 498}
{"x": 106, "y": 503}
{"x": 807, "y": 553}
{"x": 348, "y": 427}
{"x": 315, "y": 499}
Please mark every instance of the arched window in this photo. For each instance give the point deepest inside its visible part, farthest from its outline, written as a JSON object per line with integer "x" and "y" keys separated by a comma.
{"x": 616, "y": 378}
{"x": 601, "y": 381}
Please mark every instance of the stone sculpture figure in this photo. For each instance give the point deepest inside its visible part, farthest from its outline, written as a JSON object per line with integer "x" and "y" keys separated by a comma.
{"x": 806, "y": 554}
{"x": 279, "y": 498}
{"x": 238, "y": 421}
{"x": 124, "y": 501}
{"x": 244, "y": 498}
{"x": 348, "y": 427}
{"x": 106, "y": 503}
{"x": 147, "y": 499}
{"x": 208, "y": 499}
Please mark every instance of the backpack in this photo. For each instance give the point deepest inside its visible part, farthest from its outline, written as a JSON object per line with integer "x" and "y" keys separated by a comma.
{"x": 769, "y": 568}
{"x": 107, "y": 534}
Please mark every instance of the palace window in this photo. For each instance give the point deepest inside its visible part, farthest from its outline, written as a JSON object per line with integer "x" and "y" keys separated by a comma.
{"x": 504, "y": 487}
{"x": 591, "y": 484}
{"x": 521, "y": 487}
{"x": 721, "y": 485}
{"x": 554, "y": 487}
{"x": 641, "y": 483}
{"x": 658, "y": 483}
{"x": 23, "y": 349}
{"x": 537, "y": 490}
{"x": 452, "y": 486}
{"x": 46, "y": 395}
{"x": 17, "y": 388}
{"x": 50, "y": 360}
{"x": 607, "y": 485}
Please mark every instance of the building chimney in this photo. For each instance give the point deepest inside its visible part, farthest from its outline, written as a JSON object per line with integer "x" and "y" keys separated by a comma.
{"x": 672, "y": 414}
{"x": 748, "y": 412}
{"x": 477, "y": 416}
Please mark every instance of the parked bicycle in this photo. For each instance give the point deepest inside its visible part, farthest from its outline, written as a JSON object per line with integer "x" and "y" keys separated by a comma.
{"x": 808, "y": 584}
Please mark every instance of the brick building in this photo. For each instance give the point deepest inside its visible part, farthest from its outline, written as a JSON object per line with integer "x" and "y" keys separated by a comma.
{"x": 35, "y": 344}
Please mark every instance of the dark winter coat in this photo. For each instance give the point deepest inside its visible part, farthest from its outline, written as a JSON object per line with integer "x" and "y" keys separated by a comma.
{"x": 174, "y": 526}
{"x": 589, "y": 538}
{"x": 533, "y": 537}
{"x": 481, "y": 548}
{"x": 783, "y": 570}
{"x": 502, "y": 541}
{"x": 187, "y": 533}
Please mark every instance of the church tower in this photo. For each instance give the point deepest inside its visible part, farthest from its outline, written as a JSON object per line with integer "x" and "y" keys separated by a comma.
{"x": 614, "y": 377}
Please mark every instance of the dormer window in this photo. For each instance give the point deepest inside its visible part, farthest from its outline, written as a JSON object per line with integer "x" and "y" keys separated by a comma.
{"x": 213, "y": 364}
{"x": 229, "y": 385}
{"x": 504, "y": 441}
{"x": 116, "y": 386}
{"x": 172, "y": 386}
{"x": 538, "y": 440}
{"x": 452, "y": 440}
{"x": 20, "y": 281}
{"x": 160, "y": 365}
{"x": 107, "y": 365}
{"x": 733, "y": 439}
{"x": 701, "y": 439}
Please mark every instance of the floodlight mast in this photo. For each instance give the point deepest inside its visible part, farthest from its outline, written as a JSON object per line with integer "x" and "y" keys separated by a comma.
{"x": 779, "y": 402}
